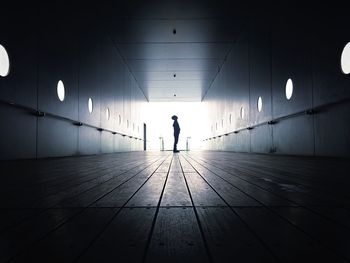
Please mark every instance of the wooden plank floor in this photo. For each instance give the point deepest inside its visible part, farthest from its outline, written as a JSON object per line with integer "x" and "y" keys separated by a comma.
{"x": 186, "y": 207}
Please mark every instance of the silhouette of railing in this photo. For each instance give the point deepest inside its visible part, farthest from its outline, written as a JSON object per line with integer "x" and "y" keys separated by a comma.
{"x": 161, "y": 141}
{"x": 188, "y": 143}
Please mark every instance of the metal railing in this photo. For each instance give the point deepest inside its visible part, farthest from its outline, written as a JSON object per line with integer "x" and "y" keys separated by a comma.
{"x": 39, "y": 113}
{"x": 310, "y": 111}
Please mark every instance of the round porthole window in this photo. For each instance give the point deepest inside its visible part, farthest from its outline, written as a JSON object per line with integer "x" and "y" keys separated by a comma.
{"x": 60, "y": 90}
{"x": 90, "y": 105}
{"x": 289, "y": 89}
{"x": 108, "y": 114}
{"x": 259, "y": 104}
{"x": 4, "y": 62}
{"x": 345, "y": 59}
{"x": 242, "y": 113}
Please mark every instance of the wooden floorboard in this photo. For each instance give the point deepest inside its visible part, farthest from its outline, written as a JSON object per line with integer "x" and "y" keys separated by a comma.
{"x": 186, "y": 207}
{"x": 176, "y": 237}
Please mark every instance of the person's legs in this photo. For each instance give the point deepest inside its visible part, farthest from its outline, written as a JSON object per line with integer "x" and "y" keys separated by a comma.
{"x": 176, "y": 139}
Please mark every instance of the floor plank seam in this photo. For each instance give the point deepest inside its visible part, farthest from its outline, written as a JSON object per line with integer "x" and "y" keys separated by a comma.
{"x": 144, "y": 257}
{"x": 205, "y": 242}
{"x": 238, "y": 216}
{"x": 283, "y": 218}
{"x": 116, "y": 214}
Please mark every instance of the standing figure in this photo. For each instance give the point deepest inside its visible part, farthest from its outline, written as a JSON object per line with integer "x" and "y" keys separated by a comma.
{"x": 176, "y": 133}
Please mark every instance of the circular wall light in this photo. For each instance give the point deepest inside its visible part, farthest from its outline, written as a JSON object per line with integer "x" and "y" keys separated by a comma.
{"x": 241, "y": 113}
{"x": 259, "y": 104}
{"x": 289, "y": 89}
{"x": 4, "y": 62}
{"x": 60, "y": 90}
{"x": 90, "y": 105}
{"x": 345, "y": 59}
{"x": 108, "y": 114}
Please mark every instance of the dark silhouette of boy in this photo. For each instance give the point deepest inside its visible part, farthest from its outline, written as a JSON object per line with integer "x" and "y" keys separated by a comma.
{"x": 176, "y": 133}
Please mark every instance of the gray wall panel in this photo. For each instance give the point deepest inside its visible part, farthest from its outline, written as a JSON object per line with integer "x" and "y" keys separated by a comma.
{"x": 18, "y": 138}
{"x": 332, "y": 131}
{"x": 20, "y": 40}
{"x": 89, "y": 141}
{"x": 56, "y": 138}
{"x": 294, "y": 136}
{"x": 261, "y": 139}
{"x": 58, "y": 61}
{"x": 107, "y": 142}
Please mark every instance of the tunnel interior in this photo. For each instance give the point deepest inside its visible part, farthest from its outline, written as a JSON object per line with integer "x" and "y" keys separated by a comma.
{"x": 261, "y": 91}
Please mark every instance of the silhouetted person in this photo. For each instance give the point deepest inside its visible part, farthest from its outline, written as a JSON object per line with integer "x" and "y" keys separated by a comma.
{"x": 176, "y": 133}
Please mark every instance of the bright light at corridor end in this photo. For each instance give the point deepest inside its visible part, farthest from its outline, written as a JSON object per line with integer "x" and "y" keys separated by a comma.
{"x": 192, "y": 119}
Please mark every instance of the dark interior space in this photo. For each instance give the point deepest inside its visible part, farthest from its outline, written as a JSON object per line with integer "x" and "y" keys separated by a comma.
{"x": 264, "y": 178}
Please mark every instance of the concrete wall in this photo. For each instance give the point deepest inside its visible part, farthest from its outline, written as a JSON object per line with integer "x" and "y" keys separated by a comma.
{"x": 304, "y": 46}
{"x": 51, "y": 42}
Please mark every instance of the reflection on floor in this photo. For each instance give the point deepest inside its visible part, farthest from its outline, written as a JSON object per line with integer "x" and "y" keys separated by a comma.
{"x": 187, "y": 207}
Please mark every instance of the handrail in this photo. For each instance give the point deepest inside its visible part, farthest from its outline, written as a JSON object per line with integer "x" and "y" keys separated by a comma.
{"x": 40, "y": 113}
{"x": 309, "y": 111}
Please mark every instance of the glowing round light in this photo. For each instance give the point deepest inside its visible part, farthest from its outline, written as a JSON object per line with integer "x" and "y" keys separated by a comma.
{"x": 4, "y": 62}
{"x": 108, "y": 114}
{"x": 60, "y": 90}
{"x": 289, "y": 89}
{"x": 90, "y": 105}
{"x": 345, "y": 59}
{"x": 259, "y": 104}
{"x": 242, "y": 113}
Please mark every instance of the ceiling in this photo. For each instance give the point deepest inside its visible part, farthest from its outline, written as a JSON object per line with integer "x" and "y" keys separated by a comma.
{"x": 169, "y": 65}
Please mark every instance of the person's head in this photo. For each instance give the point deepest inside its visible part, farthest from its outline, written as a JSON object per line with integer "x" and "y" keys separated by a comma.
{"x": 174, "y": 117}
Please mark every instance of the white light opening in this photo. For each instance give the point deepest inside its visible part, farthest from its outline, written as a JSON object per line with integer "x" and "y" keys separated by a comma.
{"x": 345, "y": 59}
{"x": 60, "y": 90}
{"x": 259, "y": 104}
{"x": 90, "y": 105}
{"x": 108, "y": 114}
{"x": 289, "y": 89}
{"x": 4, "y": 62}
{"x": 242, "y": 113}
